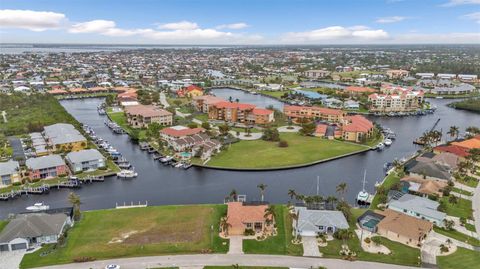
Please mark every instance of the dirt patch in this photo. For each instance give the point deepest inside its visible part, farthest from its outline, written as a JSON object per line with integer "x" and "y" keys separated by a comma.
{"x": 122, "y": 237}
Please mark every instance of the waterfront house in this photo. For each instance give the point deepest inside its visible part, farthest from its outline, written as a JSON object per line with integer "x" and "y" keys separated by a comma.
{"x": 397, "y": 73}
{"x": 458, "y": 151}
{"x": 355, "y": 90}
{"x": 64, "y": 136}
{"x": 402, "y": 228}
{"x": 85, "y": 160}
{"x": 190, "y": 91}
{"x": 472, "y": 143}
{"x": 427, "y": 168}
{"x": 46, "y": 167}
{"x": 422, "y": 187}
{"x": 418, "y": 207}
{"x": 178, "y": 131}
{"x": 32, "y": 230}
{"x": 141, "y": 116}
{"x": 312, "y": 222}
{"x": 460, "y": 89}
{"x": 244, "y": 216}
{"x": 9, "y": 173}
{"x": 351, "y": 105}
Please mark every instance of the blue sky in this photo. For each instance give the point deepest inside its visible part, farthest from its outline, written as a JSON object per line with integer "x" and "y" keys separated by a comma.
{"x": 240, "y": 21}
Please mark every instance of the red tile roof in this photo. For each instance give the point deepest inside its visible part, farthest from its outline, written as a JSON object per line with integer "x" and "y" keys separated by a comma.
{"x": 262, "y": 111}
{"x": 457, "y": 150}
{"x": 238, "y": 214}
{"x": 180, "y": 133}
{"x": 323, "y": 110}
{"x": 359, "y": 89}
{"x": 472, "y": 143}
{"x": 357, "y": 123}
{"x": 147, "y": 111}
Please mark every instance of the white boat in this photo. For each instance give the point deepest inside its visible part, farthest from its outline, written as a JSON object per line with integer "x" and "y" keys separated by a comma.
{"x": 380, "y": 147}
{"x": 387, "y": 142}
{"x": 127, "y": 174}
{"x": 166, "y": 159}
{"x": 38, "y": 207}
{"x": 363, "y": 197}
{"x": 178, "y": 165}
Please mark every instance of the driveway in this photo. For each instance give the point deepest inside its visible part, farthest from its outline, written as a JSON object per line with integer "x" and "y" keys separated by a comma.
{"x": 429, "y": 249}
{"x": 229, "y": 259}
{"x": 476, "y": 208}
{"x": 236, "y": 245}
{"x": 163, "y": 100}
{"x": 11, "y": 259}
{"x": 310, "y": 247}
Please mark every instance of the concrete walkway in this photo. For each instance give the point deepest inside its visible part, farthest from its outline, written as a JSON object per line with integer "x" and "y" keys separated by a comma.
{"x": 444, "y": 238}
{"x": 163, "y": 100}
{"x": 310, "y": 247}
{"x": 11, "y": 259}
{"x": 284, "y": 129}
{"x": 242, "y": 135}
{"x": 464, "y": 187}
{"x": 461, "y": 229}
{"x": 463, "y": 196}
{"x": 236, "y": 245}
{"x": 229, "y": 259}
{"x": 476, "y": 208}
{"x": 4, "y": 115}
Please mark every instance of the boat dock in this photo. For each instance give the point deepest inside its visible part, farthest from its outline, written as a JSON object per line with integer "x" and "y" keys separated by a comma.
{"x": 131, "y": 205}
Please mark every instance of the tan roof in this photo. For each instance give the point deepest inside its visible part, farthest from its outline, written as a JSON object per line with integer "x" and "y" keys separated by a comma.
{"x": 147, "y": 111}
{"x": 404, "y": 225}
{"x": 427, "y": 186}
{"x": 238, "y": 214}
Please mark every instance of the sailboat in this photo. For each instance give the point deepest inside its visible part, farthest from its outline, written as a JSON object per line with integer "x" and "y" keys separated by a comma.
{"x": 363, "y": 197}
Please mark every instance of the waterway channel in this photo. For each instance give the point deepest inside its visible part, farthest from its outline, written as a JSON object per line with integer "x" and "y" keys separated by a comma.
{"x": 161, "y": 185}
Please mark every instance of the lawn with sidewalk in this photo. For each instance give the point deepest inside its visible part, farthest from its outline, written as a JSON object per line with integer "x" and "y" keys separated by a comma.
{"x": 243, "y": 267}
{"x": 121, "y": 233}
{"x": 462, "y": 208}
{"x": 281, "y": 244}
{"x": 260, "y": 154}
{"x": 458, "y": 235}
{"x": 462, "y": 258}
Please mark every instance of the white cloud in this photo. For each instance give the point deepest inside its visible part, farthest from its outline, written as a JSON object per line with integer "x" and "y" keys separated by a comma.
{"x": 445, "y": 38}
{"x": 233, "y": 26}
{"x": 391, "y": 19}
{"x": 335, "y": 34}
{"x": 473, "y": 16}
{"x": 454, "y": 3}
{"x": 31, "y": 20}
{"x": 95, "y": 26}
{"x": 182, "y": 25}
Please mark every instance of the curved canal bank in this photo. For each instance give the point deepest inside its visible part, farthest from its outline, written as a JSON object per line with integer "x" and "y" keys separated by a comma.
{"x": 161, "y": 185}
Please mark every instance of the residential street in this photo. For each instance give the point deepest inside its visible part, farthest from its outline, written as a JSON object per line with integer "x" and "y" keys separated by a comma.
{"x": 228, "y": 259}
{"x": 476, "y": 208}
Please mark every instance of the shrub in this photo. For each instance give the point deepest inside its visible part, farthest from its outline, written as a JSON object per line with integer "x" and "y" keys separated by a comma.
{"x": 367, "y": 240}
{"x": 17, "y": 183}
{"x": 249, "y": 232}
{"x": 283, "y": 144}
{"x": 83, "y": 259}
{"x": 376, "y": 240}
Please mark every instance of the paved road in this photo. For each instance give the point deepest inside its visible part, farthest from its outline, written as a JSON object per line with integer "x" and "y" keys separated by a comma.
{"x": 229, "y": 259}
{"x": 163, "y": 100}
{"x": 476, "y": 208}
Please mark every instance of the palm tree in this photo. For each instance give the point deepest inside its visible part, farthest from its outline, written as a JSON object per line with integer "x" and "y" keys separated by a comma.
{"x": 224, "y": 225}
{"x": 453, "y": 132}
{"x": 234, "y": 195}
{"x": 74, "y": 200}
{"x": 397, "y": 164}
{"x": 262, "y": 188}
{"x": 331, "y": 200}
{"x": 342, "y": 189}
{"x": 269, "y": 214}
{"x": 295, "y": 216}
{"x": 292, "y": 193}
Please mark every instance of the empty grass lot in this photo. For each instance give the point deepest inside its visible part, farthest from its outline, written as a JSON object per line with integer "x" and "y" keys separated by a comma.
{"x": 259, "y": 154}
{"x": 462, "y": 258}
{"x": 279, "y": 244}
{"x": 463, "y": 208}
{"x": 119, "y": 233}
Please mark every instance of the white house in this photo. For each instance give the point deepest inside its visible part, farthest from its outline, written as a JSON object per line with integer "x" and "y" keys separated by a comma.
{"x": 313, "y": 222}
{"x": 85, "y": 160}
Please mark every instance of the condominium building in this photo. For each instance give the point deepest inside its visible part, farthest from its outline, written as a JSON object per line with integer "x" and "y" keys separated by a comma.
{"x": 396, "y": 99}
{"x": 313, "y": 74}
{"x": 313, "y": 112}
{"x": 63, "y": 136}
{"x": 239, "y": 112}
{"x": 142, "y": 115}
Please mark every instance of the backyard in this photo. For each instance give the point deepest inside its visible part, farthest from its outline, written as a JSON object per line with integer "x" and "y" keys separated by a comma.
{"x": 279, "y": 244}
{"x": 115, "y": 233}
{"x": 121, "y": 119}
{"x": 300, "y": 150}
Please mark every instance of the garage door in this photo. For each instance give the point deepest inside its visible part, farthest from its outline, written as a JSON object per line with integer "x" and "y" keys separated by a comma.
{"x": 19, "y": 246}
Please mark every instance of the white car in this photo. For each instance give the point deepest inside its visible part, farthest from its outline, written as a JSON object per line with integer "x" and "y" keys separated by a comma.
{"x": 112, "y": 266}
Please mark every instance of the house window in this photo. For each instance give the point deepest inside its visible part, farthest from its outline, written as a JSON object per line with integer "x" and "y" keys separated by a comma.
{"x": 405, "y": 211}
{"x": 249, "y": 225}
{"x": 320, "y": 227}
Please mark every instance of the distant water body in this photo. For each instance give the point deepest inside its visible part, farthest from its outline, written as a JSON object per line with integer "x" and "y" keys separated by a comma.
{"x": 76, "y": 48}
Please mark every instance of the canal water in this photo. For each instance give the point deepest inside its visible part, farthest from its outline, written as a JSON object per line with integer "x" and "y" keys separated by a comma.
{"x": 161, "y": 185}
{"x": 246, "y": 97}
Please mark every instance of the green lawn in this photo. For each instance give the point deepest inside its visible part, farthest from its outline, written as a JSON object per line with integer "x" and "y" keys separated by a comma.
{"x": 3, "y": 223}
{"x": 34, "y": 184}
{"x": 471, "y": 181}
{"x": 462, "y": 258}
{"x": 279, "y": 244}
{"x": 463, "y": 208}
{"x": 470, "y": 227}
{"x": 121, "y": 119}
{"x": 119, "y": 233}
{"x": 243, "y": 267}
{"x": 388, "y": 183}
{"x": 202, "y": 117}
{"x": 300, "y": 150}
{"x": 462, "y": 192}
{"x": 401, "y": 254}
{"x": 458, "y": 235}
{"x": 275, "y": 94}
